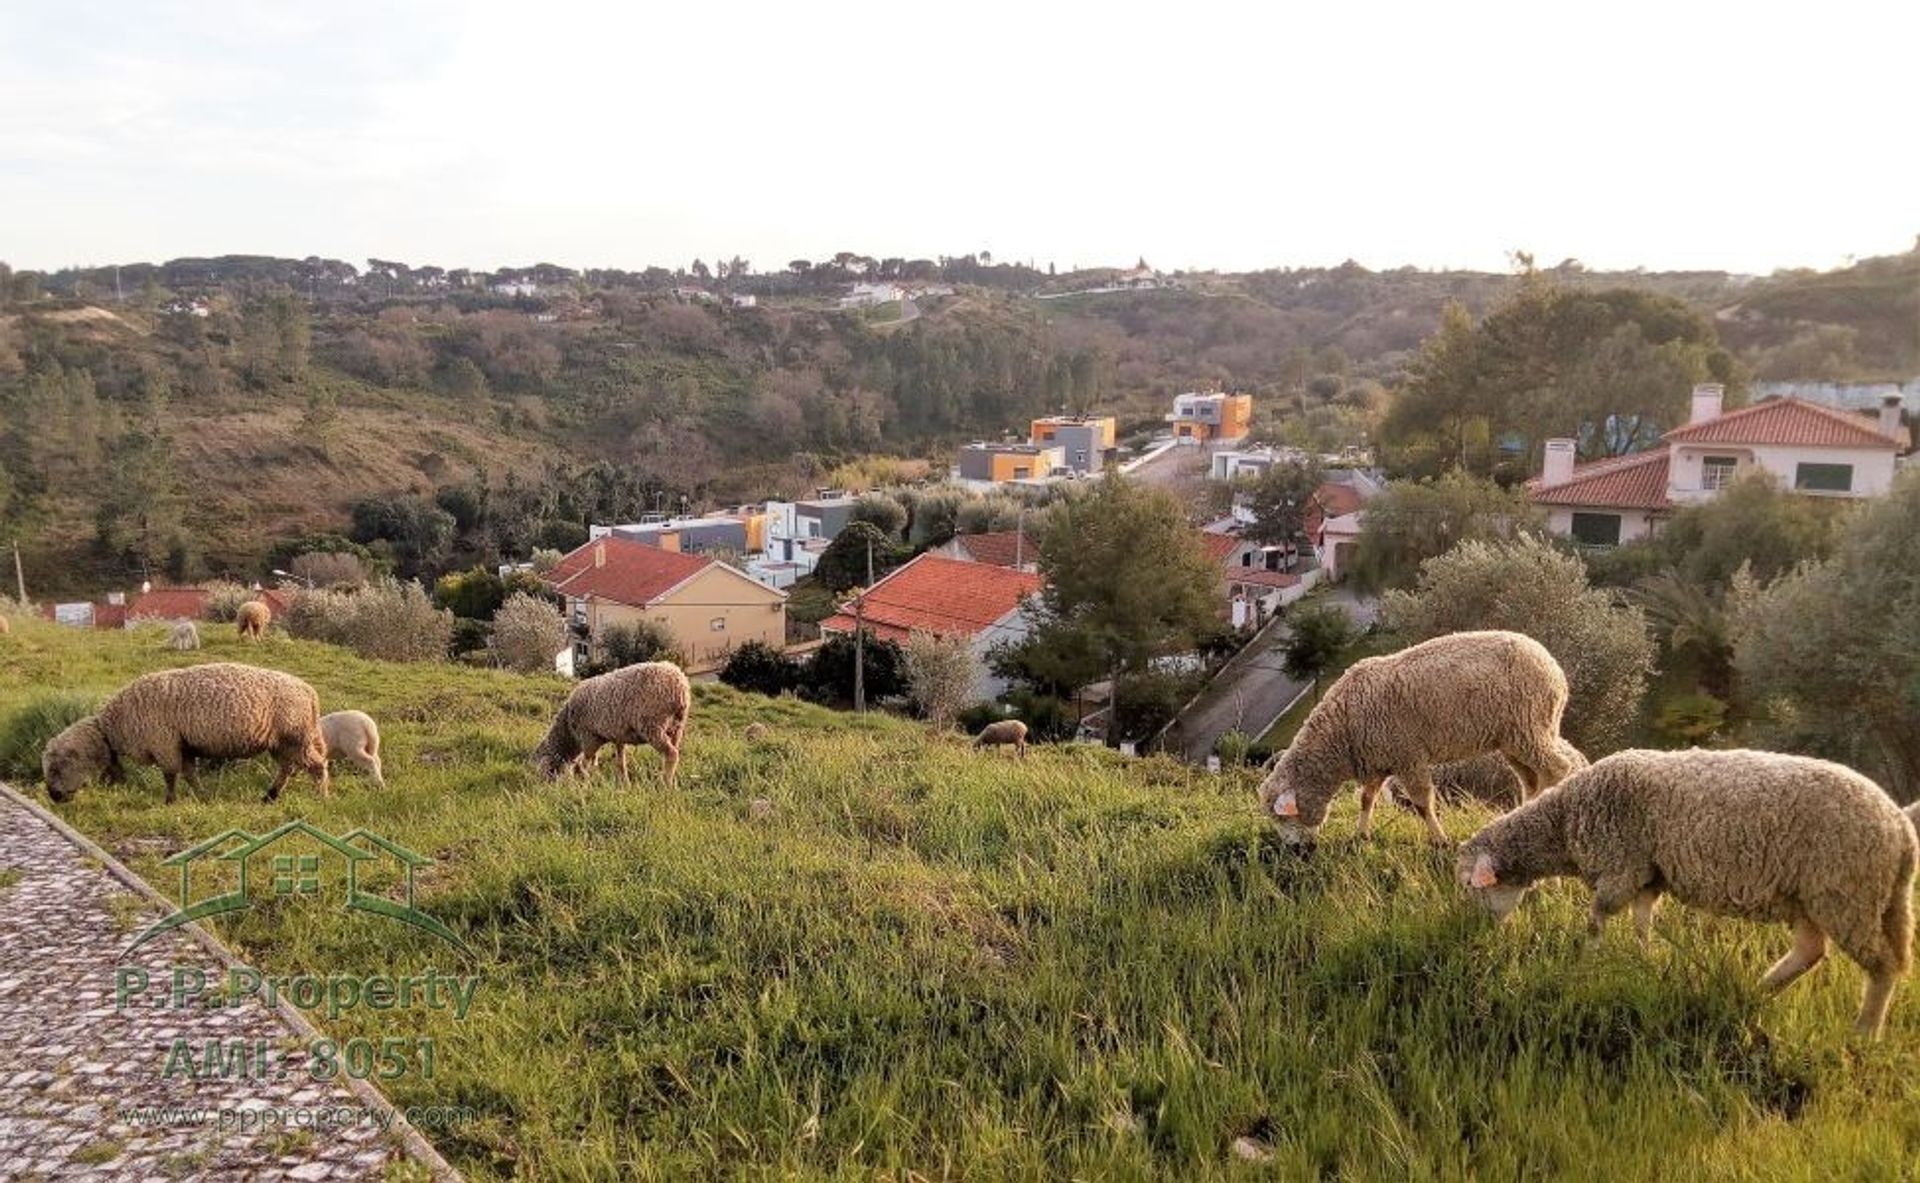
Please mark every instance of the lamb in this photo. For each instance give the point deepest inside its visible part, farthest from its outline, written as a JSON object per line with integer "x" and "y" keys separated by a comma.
{"x": 757, "y": 732}
{"x": 185, "y": 637}
{"x": 219, "y": 711}
{"x": 646, "y": 703}
{"x": 252, "y": 619}
{"x": 1446, "y": 699}
{"x": 353, "y": 736}
{"x": 1755, "y": 835}
{"x": 1003, "y": 733}
{"x": 1487, "y": 778}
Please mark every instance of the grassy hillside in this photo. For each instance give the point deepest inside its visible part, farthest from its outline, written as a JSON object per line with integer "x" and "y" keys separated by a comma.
{"x": 933, "y": 961}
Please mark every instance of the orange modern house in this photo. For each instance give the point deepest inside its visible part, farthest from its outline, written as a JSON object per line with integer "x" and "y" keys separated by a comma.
{"x": 1086, "y": 440}
{"x": 1211, "y": 418}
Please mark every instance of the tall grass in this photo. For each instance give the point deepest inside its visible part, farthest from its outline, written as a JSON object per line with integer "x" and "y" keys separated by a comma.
{"x": 935, "y": 961}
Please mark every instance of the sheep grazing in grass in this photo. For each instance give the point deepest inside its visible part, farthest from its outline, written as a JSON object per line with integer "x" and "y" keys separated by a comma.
{"x": 1447, "y": 699}
{"x": 1007, "y": 732}
{"x": 1488, "y": 778}
{"x": 756, "y": 732}
{"x": 252, "y": 619}
{"x": 1755, "y": 835}
{"x": 220, "y": 711}
{"x": 185, "y": 636}
{"x": 646, "y": 703}
{"x": 353, "y": 736}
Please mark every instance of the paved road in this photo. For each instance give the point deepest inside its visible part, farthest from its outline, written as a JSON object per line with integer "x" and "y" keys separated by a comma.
{"x": 1253, "y": 691}
{"x": 79, "y": 1075}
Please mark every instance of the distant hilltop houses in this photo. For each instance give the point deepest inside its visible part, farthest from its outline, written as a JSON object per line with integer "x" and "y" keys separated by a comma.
{"x": 1140, "y": 277}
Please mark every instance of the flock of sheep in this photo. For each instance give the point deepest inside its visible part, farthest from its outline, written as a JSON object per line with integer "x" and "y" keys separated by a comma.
{"x": 1749, "y": 834}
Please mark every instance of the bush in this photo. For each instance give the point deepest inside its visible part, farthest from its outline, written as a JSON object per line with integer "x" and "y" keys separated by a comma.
{"x": 760, "y": 668}
{"x": 1049, "y": 718}
{"x": 939, "y": 674}
{"x": 1149, "y": 701}
{"x": 475, "y": 594}
{"x": 1691, "y": 720}
{"x": 829, "y": 676}
{"x": 620, "y": 645}
{"x": 328, "y": 569}
{"x": 972, "y": 718}
{"x": 469, "y": 636}
{"x": 224, "y": 598}
{"x": 386, "y": 620}
{"x": 1232, "y": 748}
{"x": 527, "y": 633}
{"x": 24, "y": 734}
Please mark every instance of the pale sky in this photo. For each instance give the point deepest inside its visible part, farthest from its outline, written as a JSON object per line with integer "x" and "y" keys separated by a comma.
{"x": 1668, "y": 135}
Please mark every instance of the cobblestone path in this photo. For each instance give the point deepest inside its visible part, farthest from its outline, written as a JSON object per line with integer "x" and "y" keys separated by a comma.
{"x": 81, "y": 1075}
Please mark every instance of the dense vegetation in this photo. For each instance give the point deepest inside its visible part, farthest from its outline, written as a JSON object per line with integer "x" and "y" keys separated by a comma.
{"x": 933, "y": 961}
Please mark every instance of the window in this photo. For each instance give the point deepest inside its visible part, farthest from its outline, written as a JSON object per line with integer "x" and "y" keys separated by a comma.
{"x": 1824, "y": 478}
{"x": 1717, "y": 471}
{"x": 1596, "y": 529}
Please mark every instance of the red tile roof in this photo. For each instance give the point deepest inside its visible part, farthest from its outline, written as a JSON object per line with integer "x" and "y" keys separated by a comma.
{"x": 938, "y": 595}
{"x": 1331, "y": 500}
{"x": 999, "y": 548}
{"x": 169, "y": 603}
{"x": 1636, "y": 481}
{"x": 1264, "y": 578}
{"x": 1220, "y": 547}
{"x": 632, "y": 573}
{"x": 1787, "y": 421}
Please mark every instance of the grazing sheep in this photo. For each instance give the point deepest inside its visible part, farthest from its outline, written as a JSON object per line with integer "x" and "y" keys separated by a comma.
{"x": 353, "y": 736}
{"x": 185, "y": 636}
{"x": 757, "y": 731}
{"x": 1003, "y": 733}
{"x": 646, "y": 703}
{"x": 1756, "y": 835}
{"x": 1487, "y": 778}
{"x": 1442, "y": 700}
{"x": 220, "y": 711}
{"x": 252, "y": 619}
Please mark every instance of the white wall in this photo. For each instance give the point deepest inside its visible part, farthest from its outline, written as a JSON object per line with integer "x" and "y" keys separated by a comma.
{"x": 1634, "y": 523}
{"x": 1872, "y": 470}
{"x": 1010, "y": 629}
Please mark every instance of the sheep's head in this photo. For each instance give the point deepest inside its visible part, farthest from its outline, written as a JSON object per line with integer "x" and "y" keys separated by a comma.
{"x": 1498, "y": 889}
{"x": 74, "y": 757}
{"x": 1297, "y": 802}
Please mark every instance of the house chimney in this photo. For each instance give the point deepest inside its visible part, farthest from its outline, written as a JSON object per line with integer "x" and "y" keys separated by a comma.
{"x": 1558, "y": 469}
{"x": 1708, "y": 400}
{"x": 1890, "y": 416}
{"x": 600, "y": 555}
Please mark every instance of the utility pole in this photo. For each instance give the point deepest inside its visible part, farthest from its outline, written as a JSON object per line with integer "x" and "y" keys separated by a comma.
{"x": 860, "y": 636}
{"x": 1020, "y": 538}
{"x": 19, "y": 579}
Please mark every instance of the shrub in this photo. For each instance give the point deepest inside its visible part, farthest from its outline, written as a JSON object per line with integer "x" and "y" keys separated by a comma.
{"x": 25, "y": 732}
{"x": 1049, "y": 718}
{"x": 387, "y": 620}
{"x": 939, "y": 675}
{"x": 620, "y": 645}
{"x": 475, "y": 594}
{"x": 1691, "y": 720}
{"x": 545, "y": 558}
{"x": 1149, "y": 701}
{"x": 224, "y": 598}
{"x": 829, "y": 676}
{"x": 527, "y": 633}
{"x": 328, "y": 568}
{"x": 469, "y": 636}
{"x": 972, "y": 718}
{"x": 1232, "y": 748}
{"x": 761, "y": 668}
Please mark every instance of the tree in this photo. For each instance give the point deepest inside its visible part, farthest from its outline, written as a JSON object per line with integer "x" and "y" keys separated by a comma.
{"x": 939, "y": 675}
{"x": 829, "y": 676}
{"x": 321, "y": 419}
{"x": 1317, "y": 634}
{"x": 883, "y": 511}
{"x": 760, "y": 668}
{"x": 528, "y": 632}
{"x": 1411, "y": 522}
{"x": 1123, "y": 568}
{"x": 1696, "y": 621}
{"x": 418, "y": 532}
{"x": 620, "y": 645}
{"x": 1527, "y": 586}
{"x": 1753, "y": 523}
{"x": 475, "y": 594}
{"x": 1280, "y": 499}
{"x": 844, "y": 563}
{"x": 140, "y": 512}
{"x": 328, "y": 569}
{"x": 1831, "y": 652}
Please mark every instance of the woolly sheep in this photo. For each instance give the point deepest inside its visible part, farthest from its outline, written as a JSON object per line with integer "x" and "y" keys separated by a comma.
{"x": 172, "y": 718}
{"x": 184, "y": 637}
{"x": 757, "y": 731}
{"x": 252, "y": 619}
{"x": 1003, "y": 733}
{"x": 1755, "y": 835}
{"x": 646, "y": 703}
{"x": 1446, "y": 699}
{"x": 1488, "y": 778}
{"x": 353, "y": 736}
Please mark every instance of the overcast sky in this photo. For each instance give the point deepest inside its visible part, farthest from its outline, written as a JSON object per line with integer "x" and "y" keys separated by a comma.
{"x": 1666, "y": 135}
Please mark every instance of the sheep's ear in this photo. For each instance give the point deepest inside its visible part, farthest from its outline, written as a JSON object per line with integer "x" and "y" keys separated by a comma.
{"x": 1286, "y": 804}
{"x": 1483, "y": 875}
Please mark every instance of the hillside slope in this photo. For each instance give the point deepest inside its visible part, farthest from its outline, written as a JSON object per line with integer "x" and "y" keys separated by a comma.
{"x": 934, "y": 961}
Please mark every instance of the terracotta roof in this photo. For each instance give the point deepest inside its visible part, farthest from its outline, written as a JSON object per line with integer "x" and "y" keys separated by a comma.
{"x": 1331, "y": 500}
{"x": 170, "y": 603}
{"x": 1635, "y": 481}
{"x": 998, "y": 548}
{"x": 1264, "y": 578}
{"x": 938, "y": 595}
{"x": 1787, "y": 421}
{"x": 1220, "y": 547}
{"x": 633, "y": 572}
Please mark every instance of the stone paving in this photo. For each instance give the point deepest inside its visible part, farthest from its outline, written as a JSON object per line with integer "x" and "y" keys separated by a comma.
{"x": 75, "y": 1066}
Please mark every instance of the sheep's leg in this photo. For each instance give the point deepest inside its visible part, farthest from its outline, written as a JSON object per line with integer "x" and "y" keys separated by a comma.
{"x": 190, "y": 769}
{"x": 1020, "y": 748}
{"x": 670, "y": 753}
{"x": 1611, "y": 892}
{"x": 626, "y": 780}
{"x": 1418, "y": 785}
{"x": 373, "y": 766}
{"x": 1369, "y": 794}
{"x": 281, "y": 775}
{"x": 1876, "y": 1000}
{"x": 1643, "y": 906}
{"x": 169, "y": 774}
{"x": 1809, "y": 948}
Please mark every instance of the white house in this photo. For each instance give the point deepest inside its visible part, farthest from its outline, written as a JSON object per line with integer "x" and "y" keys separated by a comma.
{"x": 986, "y": 604}
{"x": 866, "y": 295}
{"x": 1815, "y": 450}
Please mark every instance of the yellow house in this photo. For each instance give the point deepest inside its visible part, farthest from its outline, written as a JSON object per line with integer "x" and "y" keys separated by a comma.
{"x": 1085, "y": 440}
{"x": 707, "y": 607}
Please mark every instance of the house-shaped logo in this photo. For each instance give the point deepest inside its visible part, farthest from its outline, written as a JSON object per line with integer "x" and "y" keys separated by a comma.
{"x": 294, "y": 860}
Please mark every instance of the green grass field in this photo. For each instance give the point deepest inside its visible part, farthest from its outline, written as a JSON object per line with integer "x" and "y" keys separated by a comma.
{"x": 931, "y": 963}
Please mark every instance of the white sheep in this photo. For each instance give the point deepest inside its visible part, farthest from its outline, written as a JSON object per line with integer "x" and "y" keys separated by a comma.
{"x": 646, "y": 703}
{"x": 1450, "y": 698}
{"x": 185, "y": 636}
{"x": 1756, "y": 835}
{"x": 1006, "y": 733}
{"x": 353, "y": 736}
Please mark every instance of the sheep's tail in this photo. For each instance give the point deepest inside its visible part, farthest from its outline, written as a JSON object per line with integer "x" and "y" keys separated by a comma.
{"x": 1896, "y": 923}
